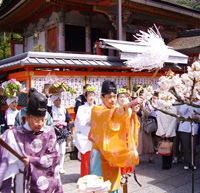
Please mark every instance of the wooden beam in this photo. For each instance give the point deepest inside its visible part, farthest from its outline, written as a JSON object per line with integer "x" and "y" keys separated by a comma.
{"x": 20, "y": 76}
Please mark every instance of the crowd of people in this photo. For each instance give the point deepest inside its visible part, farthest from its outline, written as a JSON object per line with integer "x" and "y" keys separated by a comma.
{"x": 38, "y": 133}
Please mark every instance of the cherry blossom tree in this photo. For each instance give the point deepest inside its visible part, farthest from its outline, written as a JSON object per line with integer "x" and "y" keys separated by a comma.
{"x": 176, "y": 89}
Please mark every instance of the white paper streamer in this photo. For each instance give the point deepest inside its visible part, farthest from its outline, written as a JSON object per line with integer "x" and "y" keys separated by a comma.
{"x": 155, "y": 54}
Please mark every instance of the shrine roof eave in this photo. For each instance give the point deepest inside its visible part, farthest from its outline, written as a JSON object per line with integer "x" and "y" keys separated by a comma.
{"x": 28, "y": 11}
{"x": 65, "y": 60}
{"x": 48, "y": 59}
{"x": 170, "y": 7}
{"x": 22, "y": 14}
{"x": 185, "y": 43}
{"x": 8, "y": 6}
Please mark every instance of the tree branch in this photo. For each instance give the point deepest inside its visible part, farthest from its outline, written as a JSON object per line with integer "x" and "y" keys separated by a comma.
{"x": 194, "y": 82}
{"x": 173, "y": 91}
{"x": 189, "y": 119}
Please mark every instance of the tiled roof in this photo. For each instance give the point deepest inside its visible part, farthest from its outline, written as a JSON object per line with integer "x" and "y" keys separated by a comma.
{"x": 185, "y": 43}
{"x": 48, "y": 59}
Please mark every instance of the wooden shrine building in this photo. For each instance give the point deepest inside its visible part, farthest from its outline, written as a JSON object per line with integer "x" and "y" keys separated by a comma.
{"x": 64, "y": 34}
{"x": 75, "y": 25}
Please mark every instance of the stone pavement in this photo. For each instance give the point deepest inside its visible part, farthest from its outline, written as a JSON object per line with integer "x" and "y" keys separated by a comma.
{"x": 151, "y": 176}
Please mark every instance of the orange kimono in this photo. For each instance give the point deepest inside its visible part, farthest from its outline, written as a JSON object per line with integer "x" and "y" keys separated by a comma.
{"x": 136, "y": 127}
{"x": 112, "y": 135}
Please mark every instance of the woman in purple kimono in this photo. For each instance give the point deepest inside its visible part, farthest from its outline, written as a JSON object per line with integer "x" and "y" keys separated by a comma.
{"x": 38, "y": 145}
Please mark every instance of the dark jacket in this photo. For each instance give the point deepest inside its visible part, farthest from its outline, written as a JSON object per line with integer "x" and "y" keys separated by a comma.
{"x": 79, "y": 101}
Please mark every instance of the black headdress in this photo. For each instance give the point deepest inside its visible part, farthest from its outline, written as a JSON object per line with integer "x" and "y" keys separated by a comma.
{"x": 108, "y": 87}
{"x": 37, "y": 104}
{"x": 32, "y": 90}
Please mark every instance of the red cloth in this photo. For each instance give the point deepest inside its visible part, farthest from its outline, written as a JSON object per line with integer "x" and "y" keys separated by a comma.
{"x": 85, "y": 160}
{"x": 127, "y": 170}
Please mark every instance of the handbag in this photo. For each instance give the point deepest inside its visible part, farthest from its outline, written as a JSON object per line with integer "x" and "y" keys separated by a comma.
{"x": 150, "y": 125}
{"x": 165, "y": 148}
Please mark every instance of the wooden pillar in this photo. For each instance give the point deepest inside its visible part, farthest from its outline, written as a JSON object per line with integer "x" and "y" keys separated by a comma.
{"x": 61, "y": 37}
{"x": 98, "y": 49}
{"x": 119, "y": 19}
{"x": 12, "y": 48}
{"x": 110, "y": 36}
{"x": 29, "y": 78}
{"x": 124, "y": 33}
{"x": 88, "y": 38}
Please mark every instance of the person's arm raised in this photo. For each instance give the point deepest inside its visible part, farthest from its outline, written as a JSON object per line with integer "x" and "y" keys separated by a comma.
{"x": 136, "y": 101}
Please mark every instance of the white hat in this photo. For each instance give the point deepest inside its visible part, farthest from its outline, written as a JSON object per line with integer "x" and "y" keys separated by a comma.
{"x": 11, "y": 99}
{"x": 55, "y": 97}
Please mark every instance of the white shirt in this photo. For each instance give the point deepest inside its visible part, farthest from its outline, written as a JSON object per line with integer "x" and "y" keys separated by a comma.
{"x": 82, "y": 126}
{"x": 58, "y": 114}
{"x": 10, "y": 115}
{"x": 166, "y": 124}
{"x": 184, "y": 111}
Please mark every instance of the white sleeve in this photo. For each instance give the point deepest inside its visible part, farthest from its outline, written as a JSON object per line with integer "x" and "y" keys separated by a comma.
{"x": 14, "y": 163}
{"x": 160, "y": 131}
{"x": 171, "y": 131}
{"x": 13, "y": 143}
{"x": 81, "y": 119}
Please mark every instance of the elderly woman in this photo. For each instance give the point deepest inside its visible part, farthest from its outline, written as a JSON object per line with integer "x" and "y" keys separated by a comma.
{"x": 167, "y": 130}
{"x": 82, "y": 125}
{"x": 145, "y": 139}
{"x": 61, "y": 118}
{"x": 10, "y": 113}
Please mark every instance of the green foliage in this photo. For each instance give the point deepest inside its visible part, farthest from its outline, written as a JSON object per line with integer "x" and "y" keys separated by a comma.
{"x": 11, "y": 88}
{"x": 191, "y": 4}
{"x": 197, "y": 6}
{"x": 38, "y": 48}
{"x": 185, "y": 2}
{"x": 5, "y": 45}
{"x": 17, "y": 37}
{"x": 61, "y": 84}
{"x": 5, "y": 38}
{"x": 136, "y": 87}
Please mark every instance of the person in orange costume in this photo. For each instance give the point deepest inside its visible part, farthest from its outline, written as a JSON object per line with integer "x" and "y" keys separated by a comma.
{"x": 136, "y": 127}
{"x": 111, "y": 133}
{"x": 122, "y": 99}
